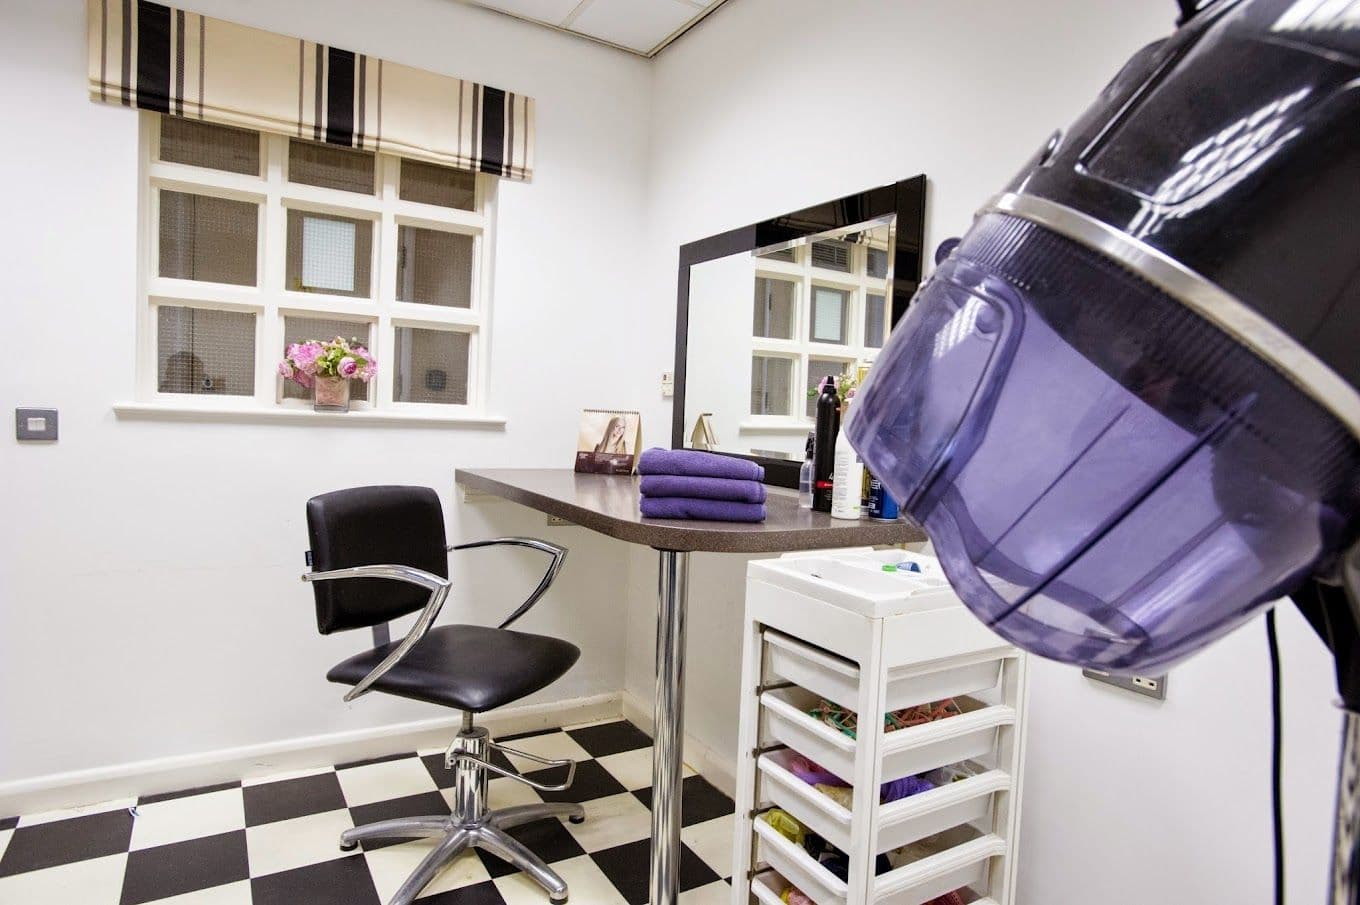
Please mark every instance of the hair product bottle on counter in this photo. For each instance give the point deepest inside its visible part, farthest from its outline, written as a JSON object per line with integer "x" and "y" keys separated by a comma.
{"x": 805, "y": 476}
{"x": 847, "y": 477}
{"x": 824, "y": 445}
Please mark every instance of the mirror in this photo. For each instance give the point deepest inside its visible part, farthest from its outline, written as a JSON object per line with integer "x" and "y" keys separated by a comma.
{"x": 768, "y": 311}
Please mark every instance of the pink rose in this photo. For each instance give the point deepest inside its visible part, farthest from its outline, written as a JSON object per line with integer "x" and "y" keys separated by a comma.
{"x": 347, "y": 367}
{"x": 304, "y": 356}
{"x": 285, "y": 369}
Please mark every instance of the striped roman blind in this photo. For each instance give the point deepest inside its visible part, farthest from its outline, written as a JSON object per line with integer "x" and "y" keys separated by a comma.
{"x": 159, "y": 58}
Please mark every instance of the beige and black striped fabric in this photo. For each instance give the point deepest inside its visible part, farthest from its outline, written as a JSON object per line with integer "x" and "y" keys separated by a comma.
{"x": 156, "y": 57}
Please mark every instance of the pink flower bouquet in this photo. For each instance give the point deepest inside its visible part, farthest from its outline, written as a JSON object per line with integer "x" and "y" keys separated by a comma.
{"x": 304, "y": 362}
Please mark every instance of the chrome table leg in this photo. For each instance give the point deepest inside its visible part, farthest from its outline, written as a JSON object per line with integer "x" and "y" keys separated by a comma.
{"x": 668, "y": 726}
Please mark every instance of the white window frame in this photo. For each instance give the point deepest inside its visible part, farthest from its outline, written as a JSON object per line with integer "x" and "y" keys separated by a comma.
{"x": 805, "y": 276}
{"x": 270, "y": 301}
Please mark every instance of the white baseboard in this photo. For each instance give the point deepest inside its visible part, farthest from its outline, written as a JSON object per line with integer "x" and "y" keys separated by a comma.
{"x": 170, "y": 774}
{"x": 708, "y": 763}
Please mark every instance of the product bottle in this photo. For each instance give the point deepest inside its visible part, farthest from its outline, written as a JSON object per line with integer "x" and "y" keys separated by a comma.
{"x": 847, "y": 479}
{"x": 824, "y": 445}
{"x": 805, "y": 477}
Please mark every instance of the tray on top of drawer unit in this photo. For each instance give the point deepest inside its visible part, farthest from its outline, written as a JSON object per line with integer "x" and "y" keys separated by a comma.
{"x": 905, "y": 752}
{"x": 855, "y": 584}
{"x": 837, "y": 679}
{"x": 900, "y": 822}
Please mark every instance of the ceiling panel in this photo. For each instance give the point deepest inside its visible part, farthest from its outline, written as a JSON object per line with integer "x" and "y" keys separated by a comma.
{"x": 640, "y": 26}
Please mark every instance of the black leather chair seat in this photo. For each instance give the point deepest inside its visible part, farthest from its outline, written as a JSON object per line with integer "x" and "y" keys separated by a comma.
{"x": 470, "y": 667}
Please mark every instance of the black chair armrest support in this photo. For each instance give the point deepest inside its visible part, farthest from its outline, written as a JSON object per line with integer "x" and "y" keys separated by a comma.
{"x": 439, "y": 590}
{"x": 558, "y": 554}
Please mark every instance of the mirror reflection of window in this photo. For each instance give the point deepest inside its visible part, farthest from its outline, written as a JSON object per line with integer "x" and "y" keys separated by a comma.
{"x": 830, "y": 314}
{"x": 771, "y": 385}
{"x": 831, "y": 254}
{"x": 818, "y": 370}
{"x": 873, "y": 321}
{"x": 774, "y": 308}
{"x": 876, "y": 263}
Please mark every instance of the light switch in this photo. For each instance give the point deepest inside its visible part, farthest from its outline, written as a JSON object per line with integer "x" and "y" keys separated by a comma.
{"x": 35, "y": 424}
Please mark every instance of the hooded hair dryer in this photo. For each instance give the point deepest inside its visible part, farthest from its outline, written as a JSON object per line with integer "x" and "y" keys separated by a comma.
{"x": 1124, "y": 406}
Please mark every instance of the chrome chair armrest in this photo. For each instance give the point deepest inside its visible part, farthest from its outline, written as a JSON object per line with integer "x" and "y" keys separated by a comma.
{"x": 439, "y": 590}
{"x": 558, "y": 554}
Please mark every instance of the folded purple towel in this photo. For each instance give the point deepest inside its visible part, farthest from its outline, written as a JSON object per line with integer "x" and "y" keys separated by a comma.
{"x": 707, "y": 510}
{"x": 661, "y": 485}
{"x": 697, "y": 464}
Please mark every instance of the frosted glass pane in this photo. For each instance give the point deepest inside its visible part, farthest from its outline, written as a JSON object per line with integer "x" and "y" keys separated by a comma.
{"x": 818, "y": 370}
{"x": 771, "y": 385}
{"x": 873, "y": 321}
{"x": 434, "y": 267}
{"x": 773, "y": 316}
{"x": 430, "y": 366}
{"x": 331, "y": 167}
{"x": 430, "y": 183}
{"x": 830, "y": 308}
{"x": 207, "y": 238}
{"x": 202, "y": 351}
{"x": 327, "y": 254}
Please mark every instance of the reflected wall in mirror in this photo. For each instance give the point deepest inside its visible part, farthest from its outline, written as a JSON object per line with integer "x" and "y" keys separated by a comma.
{"x": 768, "y": 311}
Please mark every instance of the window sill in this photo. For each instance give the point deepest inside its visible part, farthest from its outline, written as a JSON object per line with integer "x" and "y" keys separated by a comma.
{"x": 767, "y": 427}
{"x": 157, "y": 411}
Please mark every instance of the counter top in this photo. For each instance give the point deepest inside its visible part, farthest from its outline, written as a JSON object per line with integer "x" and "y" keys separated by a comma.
{"x": 609, "y": 504}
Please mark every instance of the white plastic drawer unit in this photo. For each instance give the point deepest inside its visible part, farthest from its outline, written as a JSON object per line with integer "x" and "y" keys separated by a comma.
{"x": 837, "y": 627}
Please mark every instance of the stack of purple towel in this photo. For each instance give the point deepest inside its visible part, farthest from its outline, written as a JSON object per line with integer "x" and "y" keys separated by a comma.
{"x": 686, "y": 483}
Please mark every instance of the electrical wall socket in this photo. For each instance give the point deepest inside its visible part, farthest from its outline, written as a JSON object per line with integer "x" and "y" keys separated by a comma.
{"x": 667, "y": 384}
{"x": 556, "y": 521}
{"x": 1150, "y": 686}
{"x": 35, "y": 424}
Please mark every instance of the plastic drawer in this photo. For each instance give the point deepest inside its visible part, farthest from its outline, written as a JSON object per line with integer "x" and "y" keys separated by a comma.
{"x": 905, "y": 752}
{"x": 919, "y": 882}
{"x": 837, "y": 679}
{"x": 900, "y": 822}
{"x": 798, "y": 867}
{"x": 767, "y": 888}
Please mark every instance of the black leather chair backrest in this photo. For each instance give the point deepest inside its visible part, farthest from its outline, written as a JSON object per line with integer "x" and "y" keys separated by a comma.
{"x": 365, "y": 526}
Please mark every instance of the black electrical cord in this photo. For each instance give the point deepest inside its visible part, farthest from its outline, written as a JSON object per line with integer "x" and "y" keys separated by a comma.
{"x": 1276, "y": 796}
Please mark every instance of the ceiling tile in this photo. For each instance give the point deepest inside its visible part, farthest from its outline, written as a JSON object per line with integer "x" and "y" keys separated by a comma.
{"x": 637, "y": 24}
{"x": 553, "y": 12}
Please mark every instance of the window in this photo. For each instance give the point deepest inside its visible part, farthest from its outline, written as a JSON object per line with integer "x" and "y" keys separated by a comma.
{"x": 820, "y": 309}
{"x": 256, "y": 241}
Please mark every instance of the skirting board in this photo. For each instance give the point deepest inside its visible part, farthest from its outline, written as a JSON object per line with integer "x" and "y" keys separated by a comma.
{"x": 716, "y": 768}
{"x": 171, "y": 774}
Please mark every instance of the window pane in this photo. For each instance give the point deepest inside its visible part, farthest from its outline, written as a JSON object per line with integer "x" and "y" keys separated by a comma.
{"x": 771, "y": 385}
{"x": 830, "y": 312}
{"x": 434, "y": 267}
{"x": 832, "y": 254}
{"x": 301, "y": 329}
{"x": 330, "y": 167}
{"x": 876, "y": 263}
{"x": 431, "y": 366}
{"x": 329, "y": 254}
{"x": 204, "y": 351}
{"x": 773, "y": 308}
{"x": 206, "y": 238}
{"x": 430, "y": 183}
{"x": 208, "y": 145}
{"x": 818, "y": 370}
{"x": 785, "y": 255}
{"x": 873, "y": 321}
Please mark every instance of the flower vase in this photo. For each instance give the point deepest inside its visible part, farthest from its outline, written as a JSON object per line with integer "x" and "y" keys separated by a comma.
{"x": 330, "y": 394}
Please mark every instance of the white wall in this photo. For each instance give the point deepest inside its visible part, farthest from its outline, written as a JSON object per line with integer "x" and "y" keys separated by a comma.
{"x": 149, "y": 596}
{"x": 1126, "y": 801}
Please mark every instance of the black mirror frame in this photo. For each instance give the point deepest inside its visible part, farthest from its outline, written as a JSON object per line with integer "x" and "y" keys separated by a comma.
{"x": 906, "y": 199}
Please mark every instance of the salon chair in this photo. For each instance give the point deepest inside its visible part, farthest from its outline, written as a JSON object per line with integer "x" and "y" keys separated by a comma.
{"x": 378, "y": 554}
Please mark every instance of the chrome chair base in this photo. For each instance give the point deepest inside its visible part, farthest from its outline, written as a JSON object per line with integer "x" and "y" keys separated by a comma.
{"x": 472, "y": 825}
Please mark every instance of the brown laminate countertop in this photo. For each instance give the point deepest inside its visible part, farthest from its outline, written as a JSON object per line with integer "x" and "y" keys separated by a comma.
{"x": 609, "y": 504}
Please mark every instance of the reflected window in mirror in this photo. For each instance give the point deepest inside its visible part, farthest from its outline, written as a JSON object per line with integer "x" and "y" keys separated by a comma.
{"x": 771, "y": 385}
{"x": 775, "y": 308}
{"x": 875, "y": 322}
{"x": 818, "y": 370}
{"x": 876, "y": 263}
{"x": 832, "y": 254}
{"x": 830, "y": 315}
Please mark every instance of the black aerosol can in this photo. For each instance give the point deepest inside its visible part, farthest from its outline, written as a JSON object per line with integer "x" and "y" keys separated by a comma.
{"x": 824, "y": 447}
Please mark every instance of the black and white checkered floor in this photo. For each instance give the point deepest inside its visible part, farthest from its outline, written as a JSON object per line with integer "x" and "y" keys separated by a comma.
{"x": 273, "y": 841}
